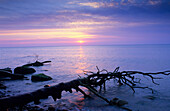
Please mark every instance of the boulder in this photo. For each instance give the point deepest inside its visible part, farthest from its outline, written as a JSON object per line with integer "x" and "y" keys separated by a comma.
{"x": 12, "y": 76}
{"x": 4, "y": 73}
{"x": 6, "y": 69}
{"x": 40, "y": 77}
{"x": 24, "y": 70}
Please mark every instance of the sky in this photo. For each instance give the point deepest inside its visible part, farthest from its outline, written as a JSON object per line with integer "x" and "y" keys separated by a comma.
{"x": 93, "y": 22}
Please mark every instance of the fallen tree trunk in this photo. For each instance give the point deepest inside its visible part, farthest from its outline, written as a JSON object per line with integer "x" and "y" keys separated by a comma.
{"x": 91, "y": 81}
{"x": 54, "y": 91}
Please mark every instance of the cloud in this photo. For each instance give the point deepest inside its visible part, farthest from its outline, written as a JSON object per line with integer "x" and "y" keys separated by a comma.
{"x": 87, "y": 19}
{"x": 97, "y": 4}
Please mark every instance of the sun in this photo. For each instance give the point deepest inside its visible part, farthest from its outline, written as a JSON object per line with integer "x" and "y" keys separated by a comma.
{"x": 80, "y": 41}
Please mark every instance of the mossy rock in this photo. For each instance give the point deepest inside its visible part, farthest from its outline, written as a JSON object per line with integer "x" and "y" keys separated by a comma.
{"x": 40, "y": 77}
{"x": 24, "y": 70}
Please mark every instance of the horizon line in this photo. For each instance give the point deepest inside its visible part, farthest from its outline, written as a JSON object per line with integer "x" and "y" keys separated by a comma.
{"x": 79, "y": 45}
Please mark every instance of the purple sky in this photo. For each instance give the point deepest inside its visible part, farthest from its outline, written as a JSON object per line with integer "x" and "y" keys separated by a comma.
{"x": 97, "y": 22}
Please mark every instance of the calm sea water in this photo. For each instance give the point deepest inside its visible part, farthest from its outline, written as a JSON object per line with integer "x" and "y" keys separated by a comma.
{"x": 69, "y": 62}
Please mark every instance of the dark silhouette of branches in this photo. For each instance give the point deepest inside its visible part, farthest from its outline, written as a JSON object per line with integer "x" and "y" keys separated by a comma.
{"x": 90, "y": 82}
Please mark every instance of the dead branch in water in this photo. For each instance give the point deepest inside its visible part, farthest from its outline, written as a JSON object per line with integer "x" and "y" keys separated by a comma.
{"x": 92, "y": 80}
{"x": 36, "y": 63}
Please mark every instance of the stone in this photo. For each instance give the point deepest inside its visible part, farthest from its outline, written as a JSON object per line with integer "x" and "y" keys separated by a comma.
{"x": 24, "y": 70}
{"x": 6, "y": 69}
{"x": 40, "y": 77}
{"x": 113, "y": 101}
{"x": 121, "y": 102}
{"x": 47, "y": 85}
{"x": 2, "y": 86}
{"x": 116, "y": 101}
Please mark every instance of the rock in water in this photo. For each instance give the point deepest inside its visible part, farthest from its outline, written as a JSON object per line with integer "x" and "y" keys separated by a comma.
{"x": 2, "y": 86}
{"x": 6, "y": 69}
{"x": 116, "y": 101}
{"x": 40, "y": 77}
{"x": 24, "y": 70}
{"x": 121, "y": 102}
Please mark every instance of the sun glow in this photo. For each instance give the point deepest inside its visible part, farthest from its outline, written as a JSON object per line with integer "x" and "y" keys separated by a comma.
{"x": 80, "y": 41}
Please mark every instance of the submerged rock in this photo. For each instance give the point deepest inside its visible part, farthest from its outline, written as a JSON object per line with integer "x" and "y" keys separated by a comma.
{"x": 6, "y": 69}
{"x": 24, "y": 70}
{"x": 116, "y": 101}
{"x": 5, "y": 72}
{"x": 40, "y": 77}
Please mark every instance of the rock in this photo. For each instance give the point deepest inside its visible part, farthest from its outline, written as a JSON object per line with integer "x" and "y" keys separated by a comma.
{"x": 2, "y": 86}
{"x": 24, "y": 70}
{"x": 46, "y": 85}
{"x": 116, "y": 101}
{"x": 121, "y": 102}
{"x": 6, "y": 69}
{"x": 12, "y": 76}
{"x": 4, "y": 73}
{"x": 40, "y": 77}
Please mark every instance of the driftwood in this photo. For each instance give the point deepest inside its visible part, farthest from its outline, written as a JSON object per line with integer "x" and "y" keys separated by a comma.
{"x": 92, "y": 80}
{"x": 37, "y": 63}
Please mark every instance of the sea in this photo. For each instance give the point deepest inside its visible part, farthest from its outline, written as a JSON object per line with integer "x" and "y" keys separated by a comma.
{"x": 70, "y": 62}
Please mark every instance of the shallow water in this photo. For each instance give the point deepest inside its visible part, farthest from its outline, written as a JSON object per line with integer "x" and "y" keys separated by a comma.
{"x": 69, "y": 62}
